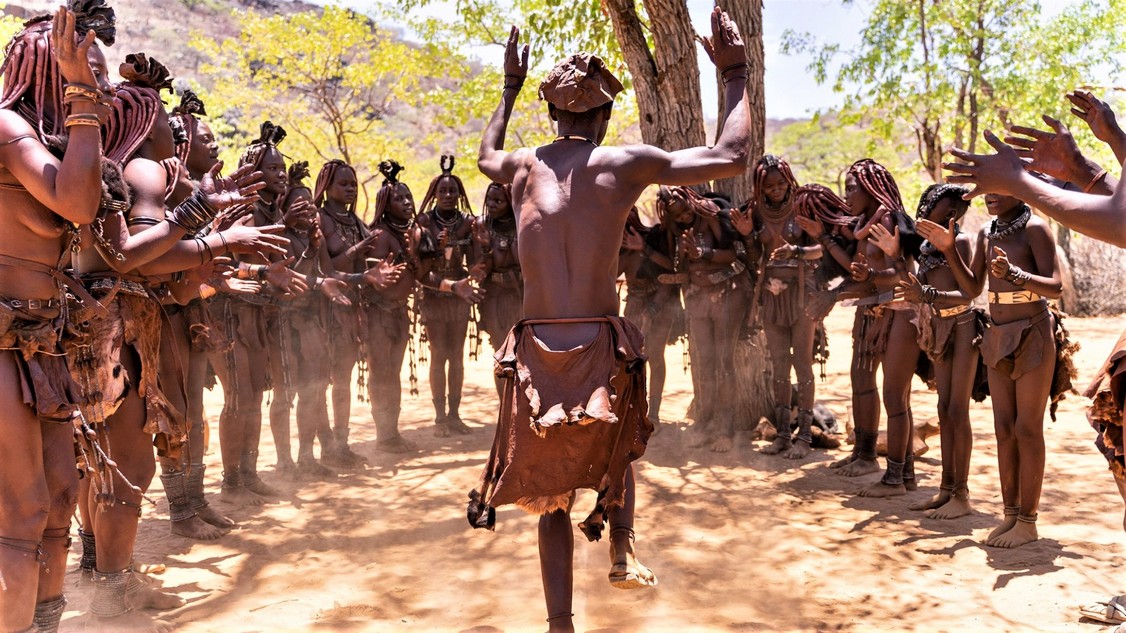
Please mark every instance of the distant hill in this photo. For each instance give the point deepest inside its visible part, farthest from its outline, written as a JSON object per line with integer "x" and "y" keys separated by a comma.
{"x": 161, "y": 27}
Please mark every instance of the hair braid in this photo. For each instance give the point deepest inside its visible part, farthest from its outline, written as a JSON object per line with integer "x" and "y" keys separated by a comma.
{"x": 878, "y": 182}
{"x": 822, "y": 204}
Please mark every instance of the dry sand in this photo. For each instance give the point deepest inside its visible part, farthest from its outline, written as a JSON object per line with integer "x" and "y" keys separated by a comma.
{"x": 739, "y": 541}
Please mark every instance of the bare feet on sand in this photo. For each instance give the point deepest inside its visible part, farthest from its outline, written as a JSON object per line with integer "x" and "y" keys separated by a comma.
{"x": 396, "y": 444}
{"x": 723, "y": 444}
{"x": 937, "y": 501}
{"x": 195, "y": 527}
{"x": 1020, "y": 533}
{"x": 858, "y": 467}
{"x": 800, "y": 450}
{"x": 241, "y": 496}
{"x": 880, "y": 489}
{"x": 957, "y": 506}
{"x": 780, "y": 444}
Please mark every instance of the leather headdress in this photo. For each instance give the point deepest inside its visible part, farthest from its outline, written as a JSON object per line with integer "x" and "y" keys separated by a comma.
{"x": 580, "y": 83}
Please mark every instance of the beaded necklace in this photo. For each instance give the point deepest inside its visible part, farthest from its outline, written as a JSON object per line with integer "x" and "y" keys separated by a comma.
{"x": 999, "y": 230}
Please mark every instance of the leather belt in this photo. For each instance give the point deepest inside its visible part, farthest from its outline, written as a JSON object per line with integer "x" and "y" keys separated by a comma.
{"x": 946, "y": 313}
{"x": 1012, "y": 298}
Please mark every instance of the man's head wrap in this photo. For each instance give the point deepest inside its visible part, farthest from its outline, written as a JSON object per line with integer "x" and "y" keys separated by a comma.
{"x": 580, "y": 83}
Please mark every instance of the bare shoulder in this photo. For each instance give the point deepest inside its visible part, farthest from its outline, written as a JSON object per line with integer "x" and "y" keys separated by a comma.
{"x": 13, "y": 126}
{"x": 1038, "y": 228}
{"x": 140, "y": 171}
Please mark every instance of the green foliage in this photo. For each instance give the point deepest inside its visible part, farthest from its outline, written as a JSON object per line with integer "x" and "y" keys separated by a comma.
{"x": 9, "y": 25}
{"x": 334, "y": 80}
{"x": 944, "y": 71}
{"x": 552, "y": 30}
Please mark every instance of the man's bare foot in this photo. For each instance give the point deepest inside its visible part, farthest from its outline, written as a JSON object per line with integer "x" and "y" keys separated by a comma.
{"x": 781, "y": 443}
{"x": 626, "y": 572}
{"x": 800, "y": 450}
{"x": 844, "y": 461}
{"x": 952, "y": 509}
{"x": 1021, "y": 533}
{"x": 656, "y": 422}
{"x": 197, "y": 528}
{"x": 1006, "y": 525}
{"x": 208, "y": 514}
{"x": 937, "y": 501}
{"x": 880, "y": 490}
{"x": 397, "y": 444}
{"x": 911, "y": 484}
{"x": 456, "y": 426}
{"x": 723, "y": 444}
{"x": 860, "y": 467}
{"x": 259, "y": 487}
{"x": 312, "y": 470}
{"x": 241, "y": 496}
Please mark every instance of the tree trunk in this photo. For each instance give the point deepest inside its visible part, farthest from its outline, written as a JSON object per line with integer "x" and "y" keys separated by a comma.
{"x": 665, "y": 78}
{"x": 748, "y": 17}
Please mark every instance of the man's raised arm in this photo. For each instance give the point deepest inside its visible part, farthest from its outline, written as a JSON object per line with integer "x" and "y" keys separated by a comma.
{"x": 729, "y": 156}
{"x": 1100, "y": 217}
{"x": 492, "y": 160}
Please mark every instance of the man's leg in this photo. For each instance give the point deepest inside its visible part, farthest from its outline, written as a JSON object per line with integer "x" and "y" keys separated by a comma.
{"x": 626, "y": 572}
{"x": 557, "y": 547}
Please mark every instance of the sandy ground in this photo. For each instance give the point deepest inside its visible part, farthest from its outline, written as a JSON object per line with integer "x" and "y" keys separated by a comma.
{"x": 740, "y": 541}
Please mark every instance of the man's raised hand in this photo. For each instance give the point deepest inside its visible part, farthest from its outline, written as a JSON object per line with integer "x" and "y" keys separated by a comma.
{"x": 988, "y": 173}
{"x": 515, "y": 59}
{"x": 725, "y": 46}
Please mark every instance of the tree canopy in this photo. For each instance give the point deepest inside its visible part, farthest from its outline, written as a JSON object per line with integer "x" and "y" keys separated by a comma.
{"x": 947, "y": 70}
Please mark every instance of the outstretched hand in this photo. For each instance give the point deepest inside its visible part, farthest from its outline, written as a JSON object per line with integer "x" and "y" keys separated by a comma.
{"x": 1097, "y": 114}
{"x": 887, "y": 242}
{"x": 384, "y": 273}
{"x": 241, "y": 187}
{"x": 515, "y": 58}
{"x": 70, "y": 51}
{"x": 743, "y": 220}
{"x": 910, "y": 289}
{"x": 859, "y": 270}
{"x": 939, "y": 236}
{"x": 988, "y": 173}
{"x": 725, "y": 46}
{"x": 812, "y": 227}
{"x": 1053, "y": 153}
